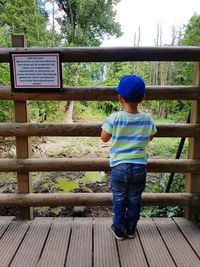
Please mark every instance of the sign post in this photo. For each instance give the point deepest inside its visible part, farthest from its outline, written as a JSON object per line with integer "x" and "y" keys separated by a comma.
{"x": 24, "y": 181}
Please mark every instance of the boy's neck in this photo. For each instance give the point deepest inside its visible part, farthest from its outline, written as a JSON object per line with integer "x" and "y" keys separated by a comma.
{"x": 131, "y": 108}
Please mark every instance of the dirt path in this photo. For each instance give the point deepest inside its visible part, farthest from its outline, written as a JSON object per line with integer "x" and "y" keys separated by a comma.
{"x": 71, "y": 147}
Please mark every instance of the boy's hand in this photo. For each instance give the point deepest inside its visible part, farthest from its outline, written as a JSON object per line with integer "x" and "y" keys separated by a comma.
{"x": 105, "y": 137}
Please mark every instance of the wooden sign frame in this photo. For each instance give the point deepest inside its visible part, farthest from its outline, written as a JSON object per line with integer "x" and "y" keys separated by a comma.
{"x": 36, "y": 71}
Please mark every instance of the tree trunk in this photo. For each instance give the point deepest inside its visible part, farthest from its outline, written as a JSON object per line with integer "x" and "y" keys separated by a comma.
{"x": 69, "y": 112}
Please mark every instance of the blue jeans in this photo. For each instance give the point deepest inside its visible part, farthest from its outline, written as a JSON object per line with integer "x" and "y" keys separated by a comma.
{"x": 127, "y": 184}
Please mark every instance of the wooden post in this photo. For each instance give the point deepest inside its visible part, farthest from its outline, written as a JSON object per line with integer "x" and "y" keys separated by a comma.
{"x": 24, "y": 182}
{"x": 193, "y": 180}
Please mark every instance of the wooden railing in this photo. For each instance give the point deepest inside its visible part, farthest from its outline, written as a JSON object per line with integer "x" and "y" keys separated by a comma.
{"x": 22, "y": 130}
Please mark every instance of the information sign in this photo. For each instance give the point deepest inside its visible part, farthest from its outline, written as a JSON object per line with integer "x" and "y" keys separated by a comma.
{"x": 35, "y": 71}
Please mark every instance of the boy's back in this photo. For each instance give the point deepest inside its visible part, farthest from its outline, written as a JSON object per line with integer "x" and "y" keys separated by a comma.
{"x": 130, "y": 136}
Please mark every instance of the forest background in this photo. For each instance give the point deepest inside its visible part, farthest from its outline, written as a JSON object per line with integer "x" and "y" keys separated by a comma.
{"x": 86, "y": 23}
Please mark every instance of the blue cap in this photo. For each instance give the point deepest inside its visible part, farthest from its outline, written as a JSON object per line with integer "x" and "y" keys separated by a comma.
{"x": 131, "y": 87}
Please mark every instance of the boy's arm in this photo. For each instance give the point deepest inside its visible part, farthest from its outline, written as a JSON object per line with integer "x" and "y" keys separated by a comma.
{"x": 105, "y": 137}
{"x": 151, "y": 137}
{"x": 153, "y": 130}
{"x": 107, "y": 129}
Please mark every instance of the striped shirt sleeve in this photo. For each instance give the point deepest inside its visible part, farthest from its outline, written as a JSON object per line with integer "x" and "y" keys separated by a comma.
{"x": 153, "y": 127}
{"x": 108, "y": 124}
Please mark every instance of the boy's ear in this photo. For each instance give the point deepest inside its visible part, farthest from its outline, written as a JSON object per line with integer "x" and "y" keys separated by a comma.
{"x": 141, "y": 100}
{"x": 121, "y": 100}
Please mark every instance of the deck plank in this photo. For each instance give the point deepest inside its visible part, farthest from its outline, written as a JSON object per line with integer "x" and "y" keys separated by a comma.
{"x": 191, "y": 233}
{"x": 178, "y": 246}
{"x": 82, "y": 242}
{"x": 153, "y": 245}
{"x": 105, "y": 247}
{"x": 31, "y": 247}
{"x": 80, "y": 247}
{"x": 7, "y": 218}
{"x": 4, "y": 223}
{"x": 11, "y": 240}
{"x": 131, "y": 253}
{"x": 54, "y": 253}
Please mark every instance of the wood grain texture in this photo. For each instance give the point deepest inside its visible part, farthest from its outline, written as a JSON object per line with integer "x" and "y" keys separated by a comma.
{"x": 102, "y": 93}
{"x": 110, "y": 54}
{"x": 89, "y": 129}
{"x": 94, "y": 199}
{"x": 95, "y": 164}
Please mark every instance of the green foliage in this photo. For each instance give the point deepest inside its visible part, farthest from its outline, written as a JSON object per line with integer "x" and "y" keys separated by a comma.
{"x": 25, "y": 18}
{"x": 115, "y": 71}
{"x": 87, "y": 22}
{"x": 157, "y": 211}
{"x": 82, "y": 74}
{"x": 166, "y": 147}
{"x": 158, "y": 185}
{"x": 6, "y": 111}
{"x": 46, "y": 111}
{"x": 19, "y": 17}
{"x": 184, "y": 73}
{"x": 192, "y": 31}
{"x": 174, "y": 110}
{"x": 191, "y": 38}
{"x": 108, "y": 106}
{"x": 196, "y": 216}
{"x": 5, "y": 41}
{"x": 5, "y": 74}
{"x": 85, "y": 110}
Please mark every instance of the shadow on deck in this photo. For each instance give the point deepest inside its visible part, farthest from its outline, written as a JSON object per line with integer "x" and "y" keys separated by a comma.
{"x": 86, "y": 242}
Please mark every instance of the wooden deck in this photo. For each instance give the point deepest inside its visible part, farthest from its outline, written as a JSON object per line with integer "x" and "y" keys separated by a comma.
{"x": 86, "y": 242}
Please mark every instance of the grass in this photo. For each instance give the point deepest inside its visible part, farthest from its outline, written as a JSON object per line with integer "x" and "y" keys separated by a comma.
{"x": 88, "y": 113}
{"x": 166, "y": 148}
{"x": 7, "y": 176}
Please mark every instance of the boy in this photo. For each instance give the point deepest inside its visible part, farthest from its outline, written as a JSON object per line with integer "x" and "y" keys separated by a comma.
{"x": 130, "y": 132}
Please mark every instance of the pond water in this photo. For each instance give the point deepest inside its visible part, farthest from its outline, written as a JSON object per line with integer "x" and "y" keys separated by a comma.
{"x": 92, "y": 177}
{"x": 65, "y": 185}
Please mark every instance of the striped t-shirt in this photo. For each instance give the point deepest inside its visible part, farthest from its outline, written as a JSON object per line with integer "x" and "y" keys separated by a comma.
{"x": 130, "y": 136}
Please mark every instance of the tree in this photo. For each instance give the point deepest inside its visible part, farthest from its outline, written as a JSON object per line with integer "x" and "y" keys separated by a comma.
{"x": 54, "y": 31}
{"x": 190, "y": 37}
{"x": 20, "y": 17}
{"x": 192, "y": 32}
{"x": 86, "y": 23}
{"x": 28, "y": 18}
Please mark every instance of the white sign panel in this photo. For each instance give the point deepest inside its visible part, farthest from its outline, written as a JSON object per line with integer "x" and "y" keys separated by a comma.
{"x": 36, "y": 70}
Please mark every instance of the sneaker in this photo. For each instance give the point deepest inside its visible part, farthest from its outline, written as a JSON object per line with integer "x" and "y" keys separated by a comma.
{"x": 130, "y": 233}
{"x": 117, "y": 234}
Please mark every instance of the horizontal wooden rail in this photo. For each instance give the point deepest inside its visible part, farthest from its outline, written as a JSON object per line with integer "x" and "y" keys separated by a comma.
{"x": 94, "y": 199}
{"x": 96, "y": 164}
{"x": 110, "y": 54}
{"x": 89, "y": 129}
{"x": 102, "y": 93}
